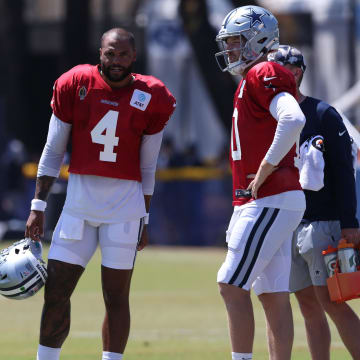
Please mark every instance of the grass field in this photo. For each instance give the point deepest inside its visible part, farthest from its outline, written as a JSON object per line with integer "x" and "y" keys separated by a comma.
{"x": 177, "y": 313}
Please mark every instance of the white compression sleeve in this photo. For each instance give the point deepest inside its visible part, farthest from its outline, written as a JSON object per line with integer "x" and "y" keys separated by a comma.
{"x": 149, "y": 152}
{"x": 286, "y": 110}
{"x": 55, "y": 147}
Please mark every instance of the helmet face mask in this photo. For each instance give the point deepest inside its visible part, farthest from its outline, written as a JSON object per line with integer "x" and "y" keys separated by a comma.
{"x": 22, "y": 271}
{"x": 257, "y": 30}
{"x": 244, "y": 53}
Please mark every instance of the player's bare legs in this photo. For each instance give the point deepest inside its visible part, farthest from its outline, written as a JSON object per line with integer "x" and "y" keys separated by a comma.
{"x": 55, "y": 318}
{"x": 316, "y": 325}
{"x": 241, "y": 317}
{"x": 345, "y": 319}
{"x": 279, "y": 320}
{"x": 116, "y": 325}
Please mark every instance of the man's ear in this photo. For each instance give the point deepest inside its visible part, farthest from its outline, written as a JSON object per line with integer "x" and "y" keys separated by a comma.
{"x": 298, "y": 72}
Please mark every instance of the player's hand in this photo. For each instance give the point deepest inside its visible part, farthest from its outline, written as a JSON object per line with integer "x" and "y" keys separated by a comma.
{"x": 352, "y": 235}
{"x": 265, "y": 169}
{"x": 35, "y": 225}
{"x": 144, "y": 239}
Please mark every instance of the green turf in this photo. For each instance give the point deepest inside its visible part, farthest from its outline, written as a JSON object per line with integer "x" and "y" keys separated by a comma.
{"x": 177, "y": 313}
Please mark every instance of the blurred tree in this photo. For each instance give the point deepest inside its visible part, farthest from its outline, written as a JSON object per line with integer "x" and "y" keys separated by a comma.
{"x": 106, "y": 21}
{"x": 221, "y": 86}
{"x": 13, "y": 67}
{"x": 127, "y": 10}
{"x": 136, "y": 4}
{"x": 76, "y": 33}
{"x": 127, "y": 20}
{"x": 353, "y": 33}
{"x": 238, "y": 3}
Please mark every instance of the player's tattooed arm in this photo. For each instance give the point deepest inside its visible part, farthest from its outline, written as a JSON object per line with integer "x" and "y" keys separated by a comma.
{"x": 43, "y": 186}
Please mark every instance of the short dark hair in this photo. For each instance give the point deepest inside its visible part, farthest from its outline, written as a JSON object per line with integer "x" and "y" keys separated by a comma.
{"x": 119, "y": 34}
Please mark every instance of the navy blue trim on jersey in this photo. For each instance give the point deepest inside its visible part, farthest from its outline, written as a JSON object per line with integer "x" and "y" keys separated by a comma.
{"x": 337, "y": 199}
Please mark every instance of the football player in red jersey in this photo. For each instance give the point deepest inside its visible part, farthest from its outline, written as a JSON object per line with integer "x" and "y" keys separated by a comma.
{"x": 267, "y": 196}
{"x": 115, "y": 119}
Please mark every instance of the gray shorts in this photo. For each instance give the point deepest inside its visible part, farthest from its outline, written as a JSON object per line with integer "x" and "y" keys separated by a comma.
{"x": 309, "y": 240}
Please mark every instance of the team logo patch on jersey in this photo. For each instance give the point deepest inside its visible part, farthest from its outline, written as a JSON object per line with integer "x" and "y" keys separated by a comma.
{"x": 82, "y": 93}
{"x": 140, "y": 99}
{"x": 318, "y": 143}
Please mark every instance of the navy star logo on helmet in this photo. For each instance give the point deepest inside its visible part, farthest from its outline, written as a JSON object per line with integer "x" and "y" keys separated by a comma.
{"x": 254, "y": 17}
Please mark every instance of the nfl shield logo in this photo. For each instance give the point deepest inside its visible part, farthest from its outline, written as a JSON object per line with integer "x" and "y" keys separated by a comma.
{"x": 82, "y": 93}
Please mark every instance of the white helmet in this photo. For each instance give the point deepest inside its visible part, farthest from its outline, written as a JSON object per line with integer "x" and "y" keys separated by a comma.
{"x": 258, "y": 31}
{"x": 22, "y": 271}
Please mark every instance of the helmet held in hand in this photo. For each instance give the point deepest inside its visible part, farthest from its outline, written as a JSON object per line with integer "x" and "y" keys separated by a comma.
{"x": 22, "y": 270}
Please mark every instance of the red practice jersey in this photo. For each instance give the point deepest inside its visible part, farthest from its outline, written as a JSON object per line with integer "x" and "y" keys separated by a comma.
{"x": 253, "y": 130}
{"x": 108, "y": 123}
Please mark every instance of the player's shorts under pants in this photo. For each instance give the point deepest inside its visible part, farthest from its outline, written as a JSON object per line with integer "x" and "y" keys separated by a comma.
{"x": 259, "y": 249}
{"x": 75, "y": 240}
{"x": 310, "y": 239}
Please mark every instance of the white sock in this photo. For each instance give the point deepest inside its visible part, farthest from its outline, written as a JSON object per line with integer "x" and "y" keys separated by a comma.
{"x": 241, "y": 356}
{"x": 111, "y": 356}
{"x": 48, "y": 353}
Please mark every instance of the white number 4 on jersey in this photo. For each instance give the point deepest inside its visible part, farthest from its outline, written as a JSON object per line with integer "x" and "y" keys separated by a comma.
{"x": 104, "y": 133}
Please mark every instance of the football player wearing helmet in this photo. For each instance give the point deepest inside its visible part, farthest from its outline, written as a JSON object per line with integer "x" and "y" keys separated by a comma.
{"x": 253, "y": 32}
{"x": 267, "y": 197}
{"x": 22, "y": 270}
{"x": 330, "y": 215}
{"x": 114, "y": 119}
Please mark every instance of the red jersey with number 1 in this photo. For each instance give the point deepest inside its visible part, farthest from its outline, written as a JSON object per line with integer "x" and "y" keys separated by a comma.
{"x": 253, "y": 131}
{"x": 108, "y": 123}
